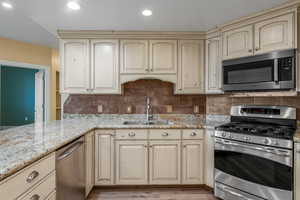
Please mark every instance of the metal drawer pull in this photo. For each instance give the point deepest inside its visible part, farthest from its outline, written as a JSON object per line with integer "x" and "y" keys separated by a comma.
{"x": 33, "y": 175}
{"x": 165, "y": 134}
{"x": 193, "y": 134}
{"x": 131, "y": 134}
{"x": 35, "y": 197}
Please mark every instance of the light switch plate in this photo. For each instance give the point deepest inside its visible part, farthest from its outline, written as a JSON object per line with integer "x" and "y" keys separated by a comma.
{"x": 129, "y": 109}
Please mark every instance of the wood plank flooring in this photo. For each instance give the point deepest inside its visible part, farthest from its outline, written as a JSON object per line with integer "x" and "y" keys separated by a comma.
{"x": 151, "y": 194}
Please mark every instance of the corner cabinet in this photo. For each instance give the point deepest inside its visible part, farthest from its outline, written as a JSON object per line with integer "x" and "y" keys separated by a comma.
{"x": 213, "y": 67}
{"x": 190, "y": 77}
{"x": 75, "y": 66}
{"x": 238, "y": 42}
{"x": 105, "y": 66}
{"x": 90, "y": 66}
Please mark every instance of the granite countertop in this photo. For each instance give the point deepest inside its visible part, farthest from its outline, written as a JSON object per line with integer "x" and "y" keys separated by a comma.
{"x": 23, "y": 145}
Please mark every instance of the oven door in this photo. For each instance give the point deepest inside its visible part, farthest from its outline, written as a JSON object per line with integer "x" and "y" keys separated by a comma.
{"x": 260, "y": 75}
{"x": 266, "y": 172}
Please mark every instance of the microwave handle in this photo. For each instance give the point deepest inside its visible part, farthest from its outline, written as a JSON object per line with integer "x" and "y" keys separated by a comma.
{"x": 276, "y": 72}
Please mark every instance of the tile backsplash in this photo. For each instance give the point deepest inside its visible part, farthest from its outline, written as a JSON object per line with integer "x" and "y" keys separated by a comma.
{"x": 134, "y": 94}
{"x": 220, "y": 104}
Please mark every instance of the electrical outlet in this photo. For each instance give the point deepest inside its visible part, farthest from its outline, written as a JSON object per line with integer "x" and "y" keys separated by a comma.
{"x": 100, "y": 108}
{"x": 169, "y": 108}
{"x": 129, "y": 110}
{"x": 196, "y": 109}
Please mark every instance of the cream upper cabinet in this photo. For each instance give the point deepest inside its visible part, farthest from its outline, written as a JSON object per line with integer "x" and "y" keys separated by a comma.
{"x": 165, "y": 162}
{"x": 209, "y": 158}
{"x": 75, "y": 66}
{"x": 238, "y": 42}
{"x": 297, "y": 171}
{"x": 190, "y": 67}
{"x": 131, "y": 162}
{"x": 192, "y": 162}
{"x": 213, "y": 66}
{"x": 104, "y": 157}
{"x": 274, "y": 34}
{"x": 105, "y": 66}
{"x": 163, "y": 56}
{"x": 89, "y": 159}
{"x": 134, "y": 56}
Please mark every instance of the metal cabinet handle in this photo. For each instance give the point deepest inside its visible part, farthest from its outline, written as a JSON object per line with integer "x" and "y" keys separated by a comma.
{"x": 131, "y": 134}
{"x": 193, "y": 134}
{"x": 250, "y": 50}
{"x": 33, "y": 175}
{"x": 165, "y": 134}
{"x": 147, "y": 70}
{"x": 257, "y": 49}
{"x": 35, "y": 197}
{"x": 151, "y": 70}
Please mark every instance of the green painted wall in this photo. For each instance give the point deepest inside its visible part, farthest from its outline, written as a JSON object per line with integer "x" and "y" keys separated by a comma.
{"x": 17, "y": 96}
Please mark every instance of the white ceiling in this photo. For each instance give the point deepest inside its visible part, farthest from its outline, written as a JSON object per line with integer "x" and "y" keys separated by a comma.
{"x": 37, "y": 21}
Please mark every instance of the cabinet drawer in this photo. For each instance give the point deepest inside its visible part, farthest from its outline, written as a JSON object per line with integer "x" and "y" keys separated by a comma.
{"x": 132, "y": 134}
{"x": 190, "y": 134}
{"x": 105, "y": 132}
{"x": 42, "y": 190}
{"x": 165, "y": 134}
{"x": 17, "y": 184}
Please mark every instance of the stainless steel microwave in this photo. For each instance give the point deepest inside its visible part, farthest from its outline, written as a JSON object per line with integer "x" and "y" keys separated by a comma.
{"x": 271, "y": 71}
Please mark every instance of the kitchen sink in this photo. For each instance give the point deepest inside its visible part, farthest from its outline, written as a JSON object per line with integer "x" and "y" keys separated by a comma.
{"x": 152, "y": 122}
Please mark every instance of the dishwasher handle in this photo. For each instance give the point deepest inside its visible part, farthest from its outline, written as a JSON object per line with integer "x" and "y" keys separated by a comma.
{"x": 70, "y": 150}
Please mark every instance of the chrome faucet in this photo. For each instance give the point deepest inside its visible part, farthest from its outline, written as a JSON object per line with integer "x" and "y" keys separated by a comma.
{"x": 148, "y": 108}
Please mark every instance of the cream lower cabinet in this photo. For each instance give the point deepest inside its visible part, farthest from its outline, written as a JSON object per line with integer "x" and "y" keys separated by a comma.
{"x": 209, "y": 158}
{"x": 131, "y": 162}
{"x": 297, "y": 171}
{"x": 192, "y": 162}
{"x": 89, "y": 159}
{"x": 165, "y": 162}
{"x": 104, "y": 157}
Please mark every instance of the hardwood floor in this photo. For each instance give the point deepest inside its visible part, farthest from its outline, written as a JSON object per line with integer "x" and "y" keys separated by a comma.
{"x": 151, "y": 194}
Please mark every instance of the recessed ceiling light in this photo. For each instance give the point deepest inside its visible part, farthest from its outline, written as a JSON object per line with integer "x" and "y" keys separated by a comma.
{"x": 73, "y": 5}
{"x": 147, "y": 12}
{"x": 7, "y": 5}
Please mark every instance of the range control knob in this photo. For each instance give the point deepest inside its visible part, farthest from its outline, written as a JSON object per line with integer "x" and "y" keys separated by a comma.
{"x": 223, "y": 134}
{"x": 231, "y": 136}
{"x": 246, "y": 138}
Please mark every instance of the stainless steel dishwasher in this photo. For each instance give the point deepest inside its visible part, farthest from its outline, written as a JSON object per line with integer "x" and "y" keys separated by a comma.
{"x": 70, "y": 171}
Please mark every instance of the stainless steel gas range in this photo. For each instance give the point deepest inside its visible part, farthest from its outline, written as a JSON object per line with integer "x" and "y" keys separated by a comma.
{"x": 254, "y": 154}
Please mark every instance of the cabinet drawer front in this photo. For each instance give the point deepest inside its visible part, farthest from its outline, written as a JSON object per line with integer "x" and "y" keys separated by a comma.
{"x": 42, "y": 190}
{"x": 165, "y": 134}
{"x": 105, "y": 132}
{"x": 19, "y": 183}
{"x": 132, "y": 134}
{"x": 190, "y": 134}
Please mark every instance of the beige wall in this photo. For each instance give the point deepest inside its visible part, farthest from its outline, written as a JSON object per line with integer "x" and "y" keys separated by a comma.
{"x": 17, "y": 51}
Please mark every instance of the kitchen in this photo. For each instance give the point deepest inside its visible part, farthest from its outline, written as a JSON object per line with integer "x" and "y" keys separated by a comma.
{"x": 157, "y": 113}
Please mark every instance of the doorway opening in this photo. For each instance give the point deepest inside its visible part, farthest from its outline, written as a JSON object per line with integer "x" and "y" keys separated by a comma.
{"x": 22, "y": 96}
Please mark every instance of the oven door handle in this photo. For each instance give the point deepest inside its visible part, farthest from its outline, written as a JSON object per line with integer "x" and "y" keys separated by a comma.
{"x": 225, "y": 189}
{"x": 254, "y": 148}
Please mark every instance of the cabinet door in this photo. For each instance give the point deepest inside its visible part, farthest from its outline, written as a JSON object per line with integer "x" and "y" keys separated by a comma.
{"x": 134, "y": 56}
{"x": 191, "y": 67}
{"x": 75, "y": 66}
{"x": 131, "y": 162}
{"x": 274, "y": 34}
{"x": 89, "y": 166}
{"x": 297, "y": 171}
{"x": 238, "y": 42}
{"x": 209, "y": 158}
{"x": 163, "y": 56}
{"x": 105, "y": 66}
{"x": 104, "y": 159}
{"x": 165, "y": 162}
{"x": 192, "y": 162}
{"x": 213, "y": 66}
